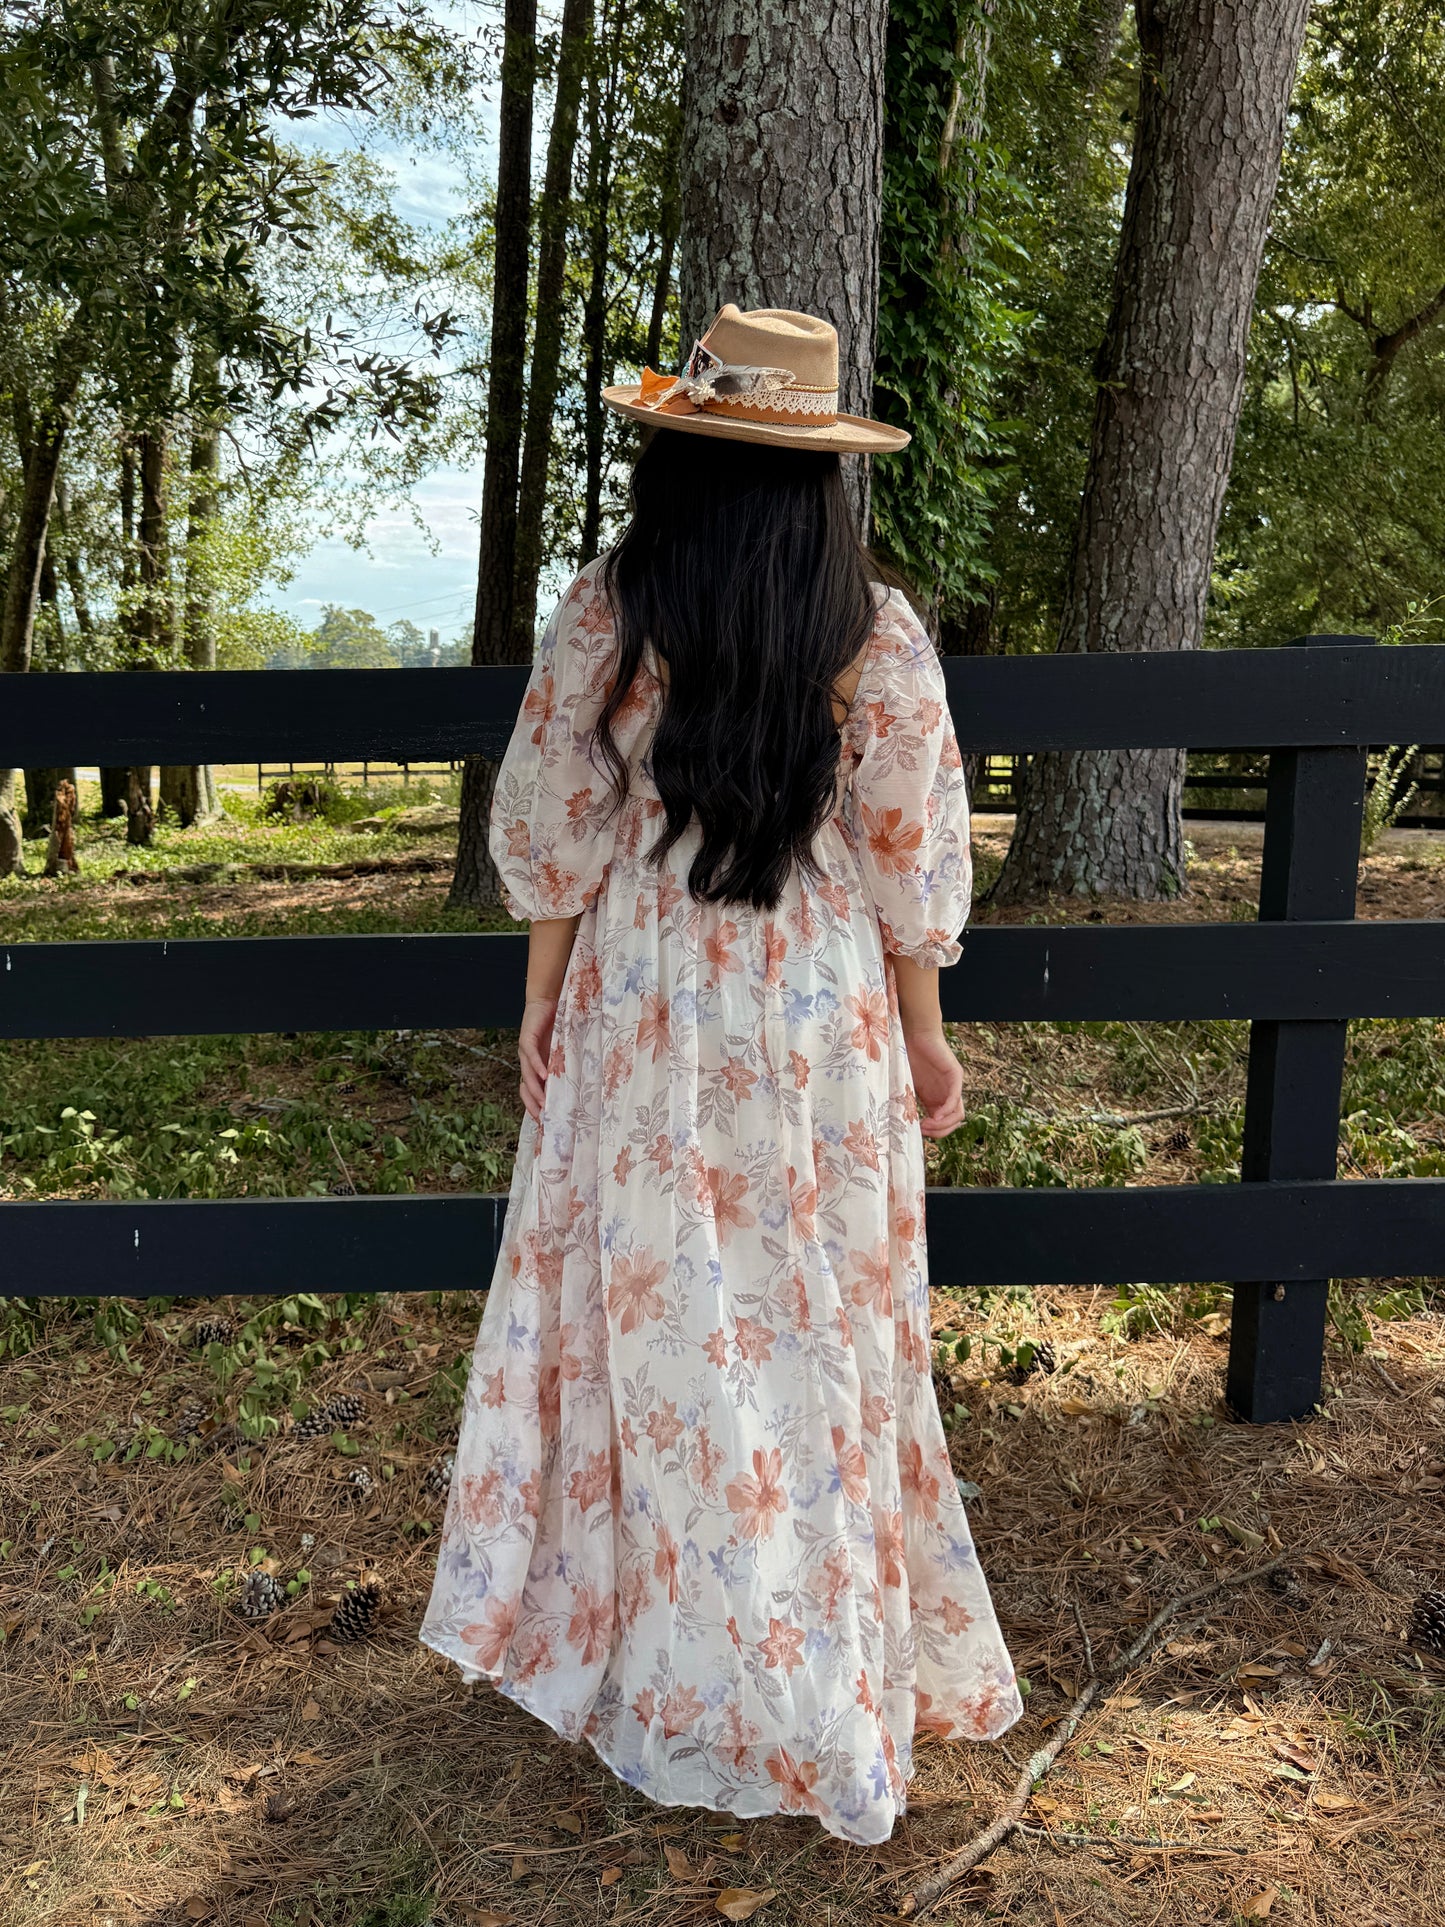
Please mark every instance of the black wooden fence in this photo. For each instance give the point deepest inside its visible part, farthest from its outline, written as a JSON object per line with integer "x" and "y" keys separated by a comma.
{"x": 1298, "y": 974}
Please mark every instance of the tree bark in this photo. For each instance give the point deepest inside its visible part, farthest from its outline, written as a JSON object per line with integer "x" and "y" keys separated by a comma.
{"x": 671, "y": 216}
{"x": 188, "y": 790}
{"x": 552, "y": 223}
{"x": 782, "y": 173}
{"x": 74, "y": 574}
{"x": 115, "y": 780}
{"x": 43, "y": 442}
{"x": 1216, "y": 77}
{"x": 474, "y": 881}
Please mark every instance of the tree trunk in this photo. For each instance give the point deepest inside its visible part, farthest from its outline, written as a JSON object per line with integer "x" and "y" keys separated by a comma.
{"x": 12, "y": 847}
{"x": 602, "y": 85}
{"x": 115, "y": 780}
{"x": 152, "y": 639}
{"x": 782, "y": 173}
{"x": 41, "y": 466}
{"x": 188, "y": 790}
{"x": 552, "y": 223}
{"x": 1216, "y": 77}
{"x": 113, "y": 784}
{"x": 670, "y": 218}
{"x": 474, "y": 881}
{"x": 74, "y": 574}
{"x": 27, "y": 550}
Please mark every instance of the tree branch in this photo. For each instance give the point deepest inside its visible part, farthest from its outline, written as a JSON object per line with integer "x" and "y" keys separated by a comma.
{"x": 1007, "y": 1821}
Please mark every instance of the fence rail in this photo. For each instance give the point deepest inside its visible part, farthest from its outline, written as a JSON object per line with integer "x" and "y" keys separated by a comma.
{"x": 1297, "y": 975}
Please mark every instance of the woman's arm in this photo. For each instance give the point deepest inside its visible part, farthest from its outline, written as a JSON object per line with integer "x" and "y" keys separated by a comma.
{"x": 937, "y": 1073}
{"x": 549, "y": 947}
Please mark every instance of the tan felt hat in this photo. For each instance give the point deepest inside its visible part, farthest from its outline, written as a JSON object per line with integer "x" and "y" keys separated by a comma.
{"x": 767, "y": 375}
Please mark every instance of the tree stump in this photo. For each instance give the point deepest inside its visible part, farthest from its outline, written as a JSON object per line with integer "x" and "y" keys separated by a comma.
{"x": 61, "y": 853}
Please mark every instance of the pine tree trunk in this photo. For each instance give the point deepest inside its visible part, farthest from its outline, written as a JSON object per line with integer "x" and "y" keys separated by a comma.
{"x": 474, "y": 881}
{"x": 1216, "y": 77}
{"x": 782, "y": 173}
{"x": 552, "y": 223}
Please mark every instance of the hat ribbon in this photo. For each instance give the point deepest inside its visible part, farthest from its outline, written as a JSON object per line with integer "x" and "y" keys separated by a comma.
{"x": 703, "y": 374}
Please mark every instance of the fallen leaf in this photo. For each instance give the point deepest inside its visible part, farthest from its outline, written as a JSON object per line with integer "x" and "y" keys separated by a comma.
{"x": 1044, "y": 1805}
{"x": 253, "y": 1920}
{"x": 1244, "y": 1536}
{"x": 609, "y": 1876}
{"x": 484, "y": 1917}
{"x": 568, "y": 1822}
{"x": 1072, "y": 1408}
{"x": 1180, "y": 1785}
{"x": 1337, "y": 1803}
{"x": 681, "y": 1868}
{"x": 35, "y": 1867}
{"x": 1256, "y": 1669}
{"x": 311, "y": 1711}
{"x": 1123, "y": 1703}
{"x": 1296, "y": 1755}
{"x": 197, "y": 1908}
{"x": 734, "y": 1842}
{"x": 740, "y": 1903}
{"x": 521, "y": 1866}
{"x": 1258, "y": 1907}
{"x": 1210, "y": 1814}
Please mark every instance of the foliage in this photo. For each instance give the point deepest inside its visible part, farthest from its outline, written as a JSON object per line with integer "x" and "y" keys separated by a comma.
{"x": 949, "y": 266}
{"x": 1334, "y": 518}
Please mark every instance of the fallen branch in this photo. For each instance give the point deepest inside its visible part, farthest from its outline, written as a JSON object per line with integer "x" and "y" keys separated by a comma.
{"x": 1007, "y": 1821}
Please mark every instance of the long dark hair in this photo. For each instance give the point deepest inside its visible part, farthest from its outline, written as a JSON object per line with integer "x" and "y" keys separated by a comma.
{"x": 742, "y": 565}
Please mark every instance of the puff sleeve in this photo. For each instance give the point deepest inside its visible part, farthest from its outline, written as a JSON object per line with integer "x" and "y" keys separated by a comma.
{"x": 910, "y": 816}
{"x": 550, "y": 833}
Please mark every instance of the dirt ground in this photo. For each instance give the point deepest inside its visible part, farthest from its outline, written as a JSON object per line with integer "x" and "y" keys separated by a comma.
{"x": 1279, "y": 1754}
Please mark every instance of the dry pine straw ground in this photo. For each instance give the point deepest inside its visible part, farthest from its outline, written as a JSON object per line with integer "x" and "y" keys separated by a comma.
{"x": 170, "y": 1763}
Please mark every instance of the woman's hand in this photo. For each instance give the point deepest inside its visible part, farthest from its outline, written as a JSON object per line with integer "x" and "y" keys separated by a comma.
{"x": 937, "y": 1080}
{"x": 534, "y": 1048}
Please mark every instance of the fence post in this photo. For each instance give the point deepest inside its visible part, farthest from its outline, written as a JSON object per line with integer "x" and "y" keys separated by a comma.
{"x": 1313, "y": 809}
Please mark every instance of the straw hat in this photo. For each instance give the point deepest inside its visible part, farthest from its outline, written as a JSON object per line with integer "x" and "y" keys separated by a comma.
{"x": 764, "y": 375}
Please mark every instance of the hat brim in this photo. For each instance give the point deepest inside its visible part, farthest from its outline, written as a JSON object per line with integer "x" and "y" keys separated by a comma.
{"x": 849, "y": 434}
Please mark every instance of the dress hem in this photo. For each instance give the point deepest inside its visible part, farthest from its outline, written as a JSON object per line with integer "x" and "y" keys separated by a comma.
{"x": 774, "y": 1810}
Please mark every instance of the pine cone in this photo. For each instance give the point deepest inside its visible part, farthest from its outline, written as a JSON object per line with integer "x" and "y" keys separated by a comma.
{"x": 212, "y": 1331}
{"x": 356, "y": 1612}
{"x": 1283, "y": 1581}
{"x": 1427, "y": 1622}
{"x": 189, "y": 1420}
{"x": 1041, "y": 1357}
{"x": 1179, "y": 1141}
{"x": 261, "y": 1594}
{"x": 359, "y": 1483}
{"x": 438, "y": 1480}
{"x": 330, "y": 1416}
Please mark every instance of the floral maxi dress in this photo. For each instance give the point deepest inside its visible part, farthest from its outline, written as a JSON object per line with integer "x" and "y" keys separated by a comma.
{"x": 703, "y": 1515}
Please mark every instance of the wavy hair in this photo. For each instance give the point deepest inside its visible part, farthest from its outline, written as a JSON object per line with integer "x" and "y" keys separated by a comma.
{"x": 743, "y": 567}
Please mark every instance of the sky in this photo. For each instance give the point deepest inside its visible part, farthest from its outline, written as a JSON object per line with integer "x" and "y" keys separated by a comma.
{"x": 426, "y": 575}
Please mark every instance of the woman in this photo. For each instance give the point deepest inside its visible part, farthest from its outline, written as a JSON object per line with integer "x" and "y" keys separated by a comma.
{"x": 703, "y": 1515}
